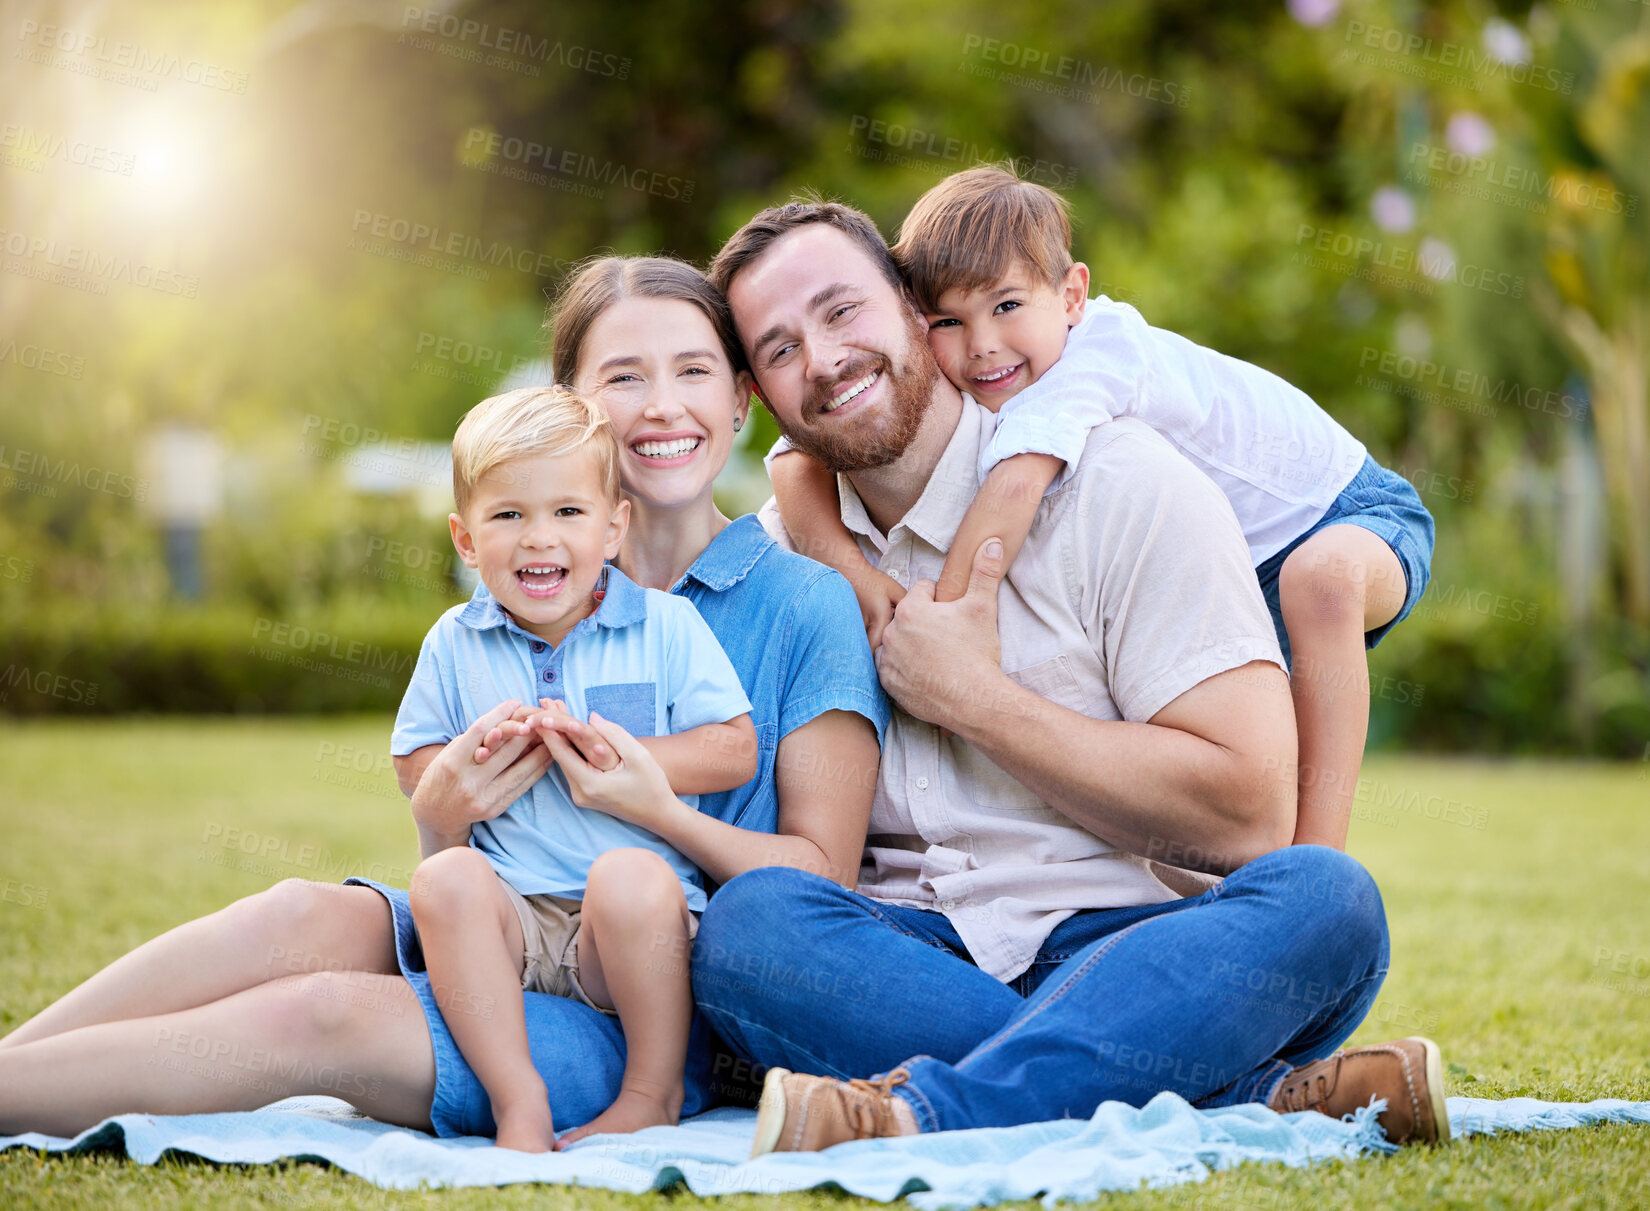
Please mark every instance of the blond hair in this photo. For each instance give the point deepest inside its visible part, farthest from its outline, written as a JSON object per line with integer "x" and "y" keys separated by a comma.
{"x": 528, "y": 421}
{"x": 968, "y": 231}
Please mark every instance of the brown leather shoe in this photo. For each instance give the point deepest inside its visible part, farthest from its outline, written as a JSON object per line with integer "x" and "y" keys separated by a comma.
{"x": 1408, "y": 1073}
{"x": 801, "y": 1113}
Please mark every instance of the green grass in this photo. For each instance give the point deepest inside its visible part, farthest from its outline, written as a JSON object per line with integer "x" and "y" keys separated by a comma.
{"x": 1504, "y": 937}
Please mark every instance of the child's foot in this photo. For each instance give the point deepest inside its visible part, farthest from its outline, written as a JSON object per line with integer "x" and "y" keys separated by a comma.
{"x": 526, "y": 1128}
{"x": 631, "y": 1112}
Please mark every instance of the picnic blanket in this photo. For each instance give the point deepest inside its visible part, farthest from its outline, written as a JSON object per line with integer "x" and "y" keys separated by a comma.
{"x": 1163, "y": 1143}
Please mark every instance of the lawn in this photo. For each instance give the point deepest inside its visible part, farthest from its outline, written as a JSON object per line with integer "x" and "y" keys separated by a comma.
{"x": 1517, "y": 893}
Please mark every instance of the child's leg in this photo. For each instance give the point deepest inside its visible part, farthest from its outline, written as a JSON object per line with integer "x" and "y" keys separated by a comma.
{"x": 292, "y": 928}
{"x": 1338, "y": 584}
{"x": 1003, "y": 508}
{"x": 633, "y": 957}
{"x": 473, "y": 945}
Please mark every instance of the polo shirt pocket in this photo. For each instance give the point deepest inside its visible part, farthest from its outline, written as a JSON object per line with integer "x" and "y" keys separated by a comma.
{"x": 630, "y": 704}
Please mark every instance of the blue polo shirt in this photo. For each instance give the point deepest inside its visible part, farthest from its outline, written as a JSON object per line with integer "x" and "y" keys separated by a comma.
{"x": 644, "y": 659}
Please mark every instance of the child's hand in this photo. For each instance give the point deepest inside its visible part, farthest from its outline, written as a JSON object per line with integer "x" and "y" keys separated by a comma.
{"x": 878, "y": 594}
{"x": 633, "y": 787}
{"x": 555, "y": 719}
{"x": 516, "y": 725}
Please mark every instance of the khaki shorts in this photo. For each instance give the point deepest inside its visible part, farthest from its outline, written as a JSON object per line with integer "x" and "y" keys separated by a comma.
{"x": 550, "y": 944}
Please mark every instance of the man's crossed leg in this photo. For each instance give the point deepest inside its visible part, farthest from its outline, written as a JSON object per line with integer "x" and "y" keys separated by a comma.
{"x": 1233, "y": 996}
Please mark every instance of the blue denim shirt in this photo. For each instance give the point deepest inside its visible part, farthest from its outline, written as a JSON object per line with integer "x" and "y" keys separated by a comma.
{"x": 792, "y": 629}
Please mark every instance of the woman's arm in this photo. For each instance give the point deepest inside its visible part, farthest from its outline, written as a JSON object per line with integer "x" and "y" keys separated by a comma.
{"x": 473, "y": 777}
{"x": 825, "y": 773}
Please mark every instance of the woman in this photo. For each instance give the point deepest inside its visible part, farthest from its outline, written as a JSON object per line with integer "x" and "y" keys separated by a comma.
{"x": 319, "y": 988}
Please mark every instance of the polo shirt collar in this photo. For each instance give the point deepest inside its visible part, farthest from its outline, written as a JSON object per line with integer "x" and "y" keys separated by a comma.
{"x": 949, "y": 491}
{"x": 623, "y": 603}
{"x": 730, "y": 556}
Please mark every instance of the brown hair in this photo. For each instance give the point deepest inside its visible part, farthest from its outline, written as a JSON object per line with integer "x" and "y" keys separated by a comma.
{"x": 968, "y": 231}
{"x": 753, "y": 239}
{"x": 527, "y": 421}
{"x": 605, "y": 280}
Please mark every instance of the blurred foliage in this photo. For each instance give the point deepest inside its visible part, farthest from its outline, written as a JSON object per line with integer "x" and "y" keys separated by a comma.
{"x": 1431, "y": 218}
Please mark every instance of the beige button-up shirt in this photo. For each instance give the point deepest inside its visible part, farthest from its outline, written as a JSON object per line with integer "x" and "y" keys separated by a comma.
{"x": 1133, "y": 586}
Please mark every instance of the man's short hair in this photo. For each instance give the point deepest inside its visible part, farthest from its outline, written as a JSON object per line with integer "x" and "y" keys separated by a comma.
{"x": 747, "y": 244}
{"x": 968, "y": 232}
{"x": 530, "y": 421}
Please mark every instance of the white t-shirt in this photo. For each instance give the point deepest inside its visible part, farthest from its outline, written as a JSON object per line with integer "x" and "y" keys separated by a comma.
{"x": 1279, "y": 458}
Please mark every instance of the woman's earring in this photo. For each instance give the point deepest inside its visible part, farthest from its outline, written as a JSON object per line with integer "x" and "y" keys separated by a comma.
{"x": 738, "y": 423}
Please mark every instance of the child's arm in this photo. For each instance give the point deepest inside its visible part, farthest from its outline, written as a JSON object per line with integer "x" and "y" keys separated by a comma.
{"x": 1004, "y": 508}
{"x": 812, "y": 512}
{"x": 711, "y": 757}
{"x": 701, "y": 760}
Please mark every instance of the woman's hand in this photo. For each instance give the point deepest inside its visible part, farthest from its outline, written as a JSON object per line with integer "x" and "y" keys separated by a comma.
{"x": 476, "y": 776}
{"x": 607, "y": 769}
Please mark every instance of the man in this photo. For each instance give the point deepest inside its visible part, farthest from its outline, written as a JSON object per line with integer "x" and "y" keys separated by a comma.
{"x": 1009, "y": 956}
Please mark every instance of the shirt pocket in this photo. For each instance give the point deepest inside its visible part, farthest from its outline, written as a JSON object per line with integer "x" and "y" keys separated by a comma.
{"x": 630, "y": 704}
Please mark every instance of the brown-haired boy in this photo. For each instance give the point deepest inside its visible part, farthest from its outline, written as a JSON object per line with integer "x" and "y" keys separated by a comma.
{"x": 1341, "y": 545}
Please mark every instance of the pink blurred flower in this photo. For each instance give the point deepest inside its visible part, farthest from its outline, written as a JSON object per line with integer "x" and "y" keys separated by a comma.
{"x": 1469, "y": 133}
{"x": 1314, "y": 12}
{"x": 1392, "y": 209}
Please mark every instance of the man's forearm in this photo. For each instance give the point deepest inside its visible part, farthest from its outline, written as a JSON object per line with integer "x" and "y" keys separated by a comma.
{"x": 1150, "y": 789}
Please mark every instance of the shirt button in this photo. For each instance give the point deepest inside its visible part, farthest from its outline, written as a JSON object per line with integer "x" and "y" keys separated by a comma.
{"x": 537, "y": 646}
{"x": 922, "y": 784}
{"x": 549, "y": 674}
{"x": 947, "y": 905}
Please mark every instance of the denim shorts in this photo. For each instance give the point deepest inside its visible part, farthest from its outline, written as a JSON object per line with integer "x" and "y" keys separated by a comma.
{"x": 1387, "y": 505}
{"x": 579, "y": 1052}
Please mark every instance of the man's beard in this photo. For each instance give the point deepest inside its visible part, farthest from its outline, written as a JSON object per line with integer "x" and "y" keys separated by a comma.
{"x": 862, "y": 444}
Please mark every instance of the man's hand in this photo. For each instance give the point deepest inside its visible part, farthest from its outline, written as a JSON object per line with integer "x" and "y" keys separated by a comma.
{"x": 471, "y": 780}
{"x": 938, "y": 659}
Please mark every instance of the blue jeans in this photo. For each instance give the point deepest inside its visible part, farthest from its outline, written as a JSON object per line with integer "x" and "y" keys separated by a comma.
{"x": 1212, "y": 997}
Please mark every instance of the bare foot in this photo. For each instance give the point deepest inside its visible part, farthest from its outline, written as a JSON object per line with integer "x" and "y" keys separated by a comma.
{"x": 526, "y": 1128}
{"x": 631, "y": 1112}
